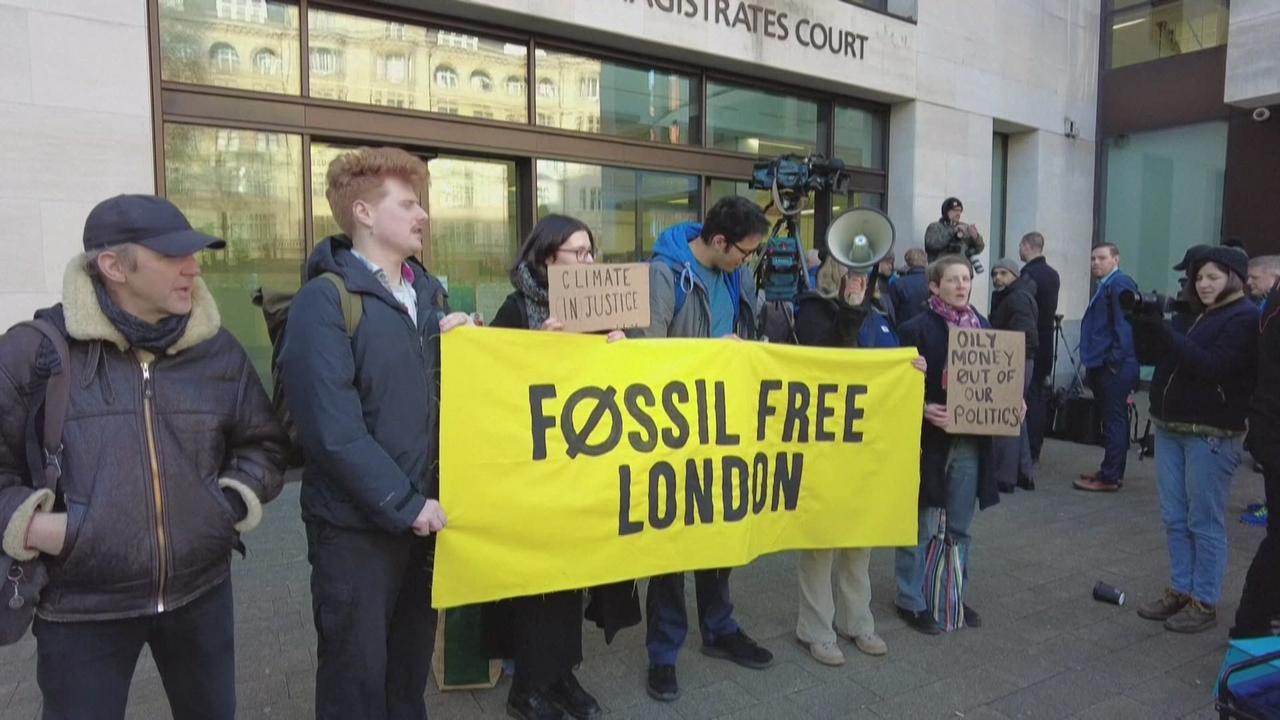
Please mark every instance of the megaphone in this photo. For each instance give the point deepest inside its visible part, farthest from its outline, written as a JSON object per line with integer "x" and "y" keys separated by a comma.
{"x": 860, "y": 238}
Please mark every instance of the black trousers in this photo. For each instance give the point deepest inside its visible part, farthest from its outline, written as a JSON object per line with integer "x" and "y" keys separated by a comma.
{"x": 1037, "y": 413}
{"x": 375, "y": 629}
{"x": 84, "y": 669}
{"x": 542, "y": 634}
{"x": 1260, "y": 601}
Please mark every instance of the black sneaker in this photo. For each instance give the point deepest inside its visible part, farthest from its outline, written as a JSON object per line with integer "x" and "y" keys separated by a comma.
{"x": 569, "y": 695}
{"x": 1026, "y": 483}
{"x": 531, "y": 705}
{"x": 1005, "y": 488}
{"x": 920, "y": 621}
{"x": 662, "y": 683}
{"x": 971, "y": 617}
{"x": 740, "y": 649}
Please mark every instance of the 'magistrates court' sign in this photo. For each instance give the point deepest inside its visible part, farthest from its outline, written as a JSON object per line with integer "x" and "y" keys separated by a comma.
{"x": 768, "y": 22}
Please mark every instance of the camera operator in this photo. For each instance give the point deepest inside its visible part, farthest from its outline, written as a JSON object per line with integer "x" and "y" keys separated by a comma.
{"x": 949, "y": 236}
{"x": 1200, "y": 393}
{"x": 1260, "y": 600}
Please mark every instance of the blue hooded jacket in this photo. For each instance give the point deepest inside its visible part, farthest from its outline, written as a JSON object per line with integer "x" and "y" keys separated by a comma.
{"x": 680, "y": 304}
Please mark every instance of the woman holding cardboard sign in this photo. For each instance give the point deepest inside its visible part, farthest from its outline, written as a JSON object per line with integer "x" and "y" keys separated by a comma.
{"x": 955, "y": 470}
{"x": 542, "y": 634}
{"x": 835, "y": 316}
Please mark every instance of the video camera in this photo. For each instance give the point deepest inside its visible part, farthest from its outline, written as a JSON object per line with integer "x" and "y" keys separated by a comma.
{"x": 792, "y": 177}
{"x": 1151, "y": 304}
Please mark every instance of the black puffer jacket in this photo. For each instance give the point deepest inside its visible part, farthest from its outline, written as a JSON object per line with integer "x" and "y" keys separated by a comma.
{"x": 150, "y": 444}
{"x": 366, "y": 407}
{"x": 1205, "y": 376}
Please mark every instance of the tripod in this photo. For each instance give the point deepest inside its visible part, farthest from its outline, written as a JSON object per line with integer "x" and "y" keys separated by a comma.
{"x": 1060, "y": 339}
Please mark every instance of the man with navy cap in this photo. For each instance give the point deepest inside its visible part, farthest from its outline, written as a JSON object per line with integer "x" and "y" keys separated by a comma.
{"x": 169, "y": 448}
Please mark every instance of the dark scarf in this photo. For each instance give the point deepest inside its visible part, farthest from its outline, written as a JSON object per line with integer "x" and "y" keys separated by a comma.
{"x": 533, "y": 294}
{"x": 139, "y": 333}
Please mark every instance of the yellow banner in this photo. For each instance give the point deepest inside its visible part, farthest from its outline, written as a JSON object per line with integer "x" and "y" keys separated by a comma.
{"x": 568, "y": 462}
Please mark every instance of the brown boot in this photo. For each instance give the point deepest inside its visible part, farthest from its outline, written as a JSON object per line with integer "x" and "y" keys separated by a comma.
{"x": 1164, "y": 607}
{"x": 1195, "y": 617}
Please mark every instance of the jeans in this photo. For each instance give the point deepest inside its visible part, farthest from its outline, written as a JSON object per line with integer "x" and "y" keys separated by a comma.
{"x": 1111, "y": 387}
{"x": 962, "y": 501}
{"x": 375, "y": 629}
{"x": 1193, "y": 474}
{"x": 667, "y": 621}
{"x": 84, "y": 669}
{"x": 841, "y": 603}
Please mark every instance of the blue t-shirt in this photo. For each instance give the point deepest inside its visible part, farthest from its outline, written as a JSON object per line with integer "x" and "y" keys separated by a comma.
{"x": 722, "y": 303}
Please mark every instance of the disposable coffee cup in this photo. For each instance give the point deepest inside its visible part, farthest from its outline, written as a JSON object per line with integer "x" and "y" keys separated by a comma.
{"x": 1103, "y": 592}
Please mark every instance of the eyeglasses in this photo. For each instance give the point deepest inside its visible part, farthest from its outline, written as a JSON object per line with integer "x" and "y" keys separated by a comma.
{"x": 747, "y": 255}
{"x": 582, "y": 254}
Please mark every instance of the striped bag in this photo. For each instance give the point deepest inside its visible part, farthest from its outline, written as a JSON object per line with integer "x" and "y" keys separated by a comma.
{"x": 944, "y": 578}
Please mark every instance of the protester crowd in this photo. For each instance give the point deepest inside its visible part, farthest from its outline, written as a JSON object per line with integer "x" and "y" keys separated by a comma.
{"x": 118, "y": 532}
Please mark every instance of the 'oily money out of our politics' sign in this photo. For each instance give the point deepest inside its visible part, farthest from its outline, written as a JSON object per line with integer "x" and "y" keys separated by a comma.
{"x": 568, "y": 462}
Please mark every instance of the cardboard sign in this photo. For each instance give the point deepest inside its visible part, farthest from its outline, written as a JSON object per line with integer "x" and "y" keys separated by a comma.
{"x": 600, "y": 296}
{"x": 984, "y": 381}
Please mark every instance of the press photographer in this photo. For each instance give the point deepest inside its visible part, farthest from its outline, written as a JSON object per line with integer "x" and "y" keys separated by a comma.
{"x": 949, "y": 236}
{"x": 1204, "y": 377}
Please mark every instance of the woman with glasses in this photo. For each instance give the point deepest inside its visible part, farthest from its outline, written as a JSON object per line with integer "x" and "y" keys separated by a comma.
{"x": 542, "y": 634}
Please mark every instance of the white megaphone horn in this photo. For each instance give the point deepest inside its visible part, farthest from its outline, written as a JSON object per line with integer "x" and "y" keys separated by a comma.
{"x": 860, "y": 238}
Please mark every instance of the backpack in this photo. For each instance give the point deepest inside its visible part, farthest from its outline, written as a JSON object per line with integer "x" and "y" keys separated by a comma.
{"x": 275, "y": 311}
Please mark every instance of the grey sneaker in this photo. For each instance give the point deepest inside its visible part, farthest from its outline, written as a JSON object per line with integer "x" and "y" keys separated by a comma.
{"x": 1164, "y": 607}
{"x": 1195, "y": 617}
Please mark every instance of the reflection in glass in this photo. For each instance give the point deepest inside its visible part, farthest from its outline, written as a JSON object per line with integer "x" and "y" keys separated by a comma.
{"x": 860, "y": 137}
{"x": 473, "y": 230}
{"x": 1164, "y": 194}
{"x": 246, "y": 187}
{"x": 1149, "y": 31}
{"x": 395, "y": 64}
{"x": 245, "y": 44}
{"x": 626, "y": 209}
{"x": 758, "y": 122}
{"x": 601, "y": 96}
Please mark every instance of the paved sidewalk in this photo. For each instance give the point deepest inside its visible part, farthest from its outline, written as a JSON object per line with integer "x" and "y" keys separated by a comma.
{"x": 1046, "y": 650}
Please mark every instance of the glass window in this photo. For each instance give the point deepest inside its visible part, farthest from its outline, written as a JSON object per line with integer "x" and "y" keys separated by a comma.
{"x": 628, "y": 101}
{"x": 266, "y": 62}
{"x": 759, "y": 122}
{"x": 1164, "y": 194}
{"x": 243, "y": 186}
{"x": 860, "y": 137}
{"x": 394, "y": 68}
{"x": 416, "y": 67}
{"x": 1152, "y": 30}
{"x": 204, "y": 43}
{"x": 625, "y": 209}
{"x": 446, "y": 77}
{"x": 481, "y": 82}
{"x": 473, "y": 230}
{"x": 997, "y": 239}
{"x": 223, "y": 58}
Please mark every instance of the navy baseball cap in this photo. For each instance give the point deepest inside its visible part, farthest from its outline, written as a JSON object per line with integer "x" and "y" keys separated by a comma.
{"x": 147, "y": 220}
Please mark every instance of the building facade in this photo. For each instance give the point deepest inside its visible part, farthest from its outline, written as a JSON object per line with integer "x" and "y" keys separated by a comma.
{"x": 630, "y": 114}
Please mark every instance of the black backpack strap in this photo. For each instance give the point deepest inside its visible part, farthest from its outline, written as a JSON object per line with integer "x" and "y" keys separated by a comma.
{"x": 57, "y": 396}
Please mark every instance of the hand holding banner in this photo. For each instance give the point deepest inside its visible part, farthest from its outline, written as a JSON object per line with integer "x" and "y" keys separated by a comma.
{"x": 568, "y": 462}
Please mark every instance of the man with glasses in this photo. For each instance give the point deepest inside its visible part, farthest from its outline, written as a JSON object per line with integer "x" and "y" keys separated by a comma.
{"x": 697, "y": 289}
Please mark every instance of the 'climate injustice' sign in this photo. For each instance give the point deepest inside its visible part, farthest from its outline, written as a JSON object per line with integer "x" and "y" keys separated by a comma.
{"x": 767, "y": 22}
